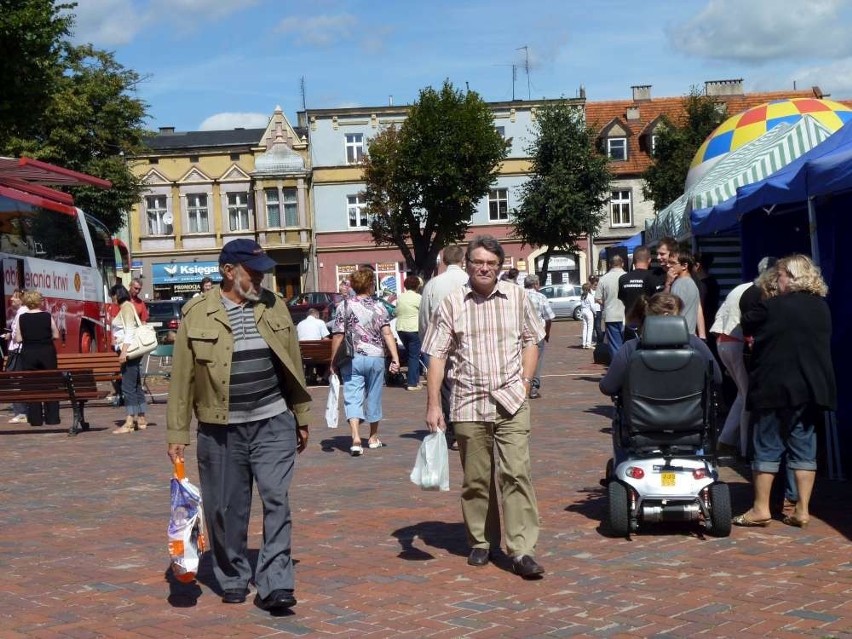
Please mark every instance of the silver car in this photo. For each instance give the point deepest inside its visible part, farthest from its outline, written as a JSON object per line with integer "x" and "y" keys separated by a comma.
{"x": 564, "y": 300}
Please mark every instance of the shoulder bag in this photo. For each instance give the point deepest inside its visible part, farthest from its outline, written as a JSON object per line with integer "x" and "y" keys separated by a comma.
{"x": 346, "y": 351}
{"x": 144, "y": 339}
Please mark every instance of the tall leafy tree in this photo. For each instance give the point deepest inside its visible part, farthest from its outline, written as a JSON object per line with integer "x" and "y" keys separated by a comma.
{"x": 31, "y": 37}
{"x": 425, "y": 178}
{"x": 569, "y": 183}
{"x": 678, "y": 140}
{"x": 90, "y": 121}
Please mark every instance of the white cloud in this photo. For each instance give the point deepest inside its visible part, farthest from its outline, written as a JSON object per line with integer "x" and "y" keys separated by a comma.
{"x": 319, "y": 31}
{"x": 834, "y": 78}
{"x": 760, "y": 30}
{"x": 106, "y": 23}
{"x": 226, "y": 121}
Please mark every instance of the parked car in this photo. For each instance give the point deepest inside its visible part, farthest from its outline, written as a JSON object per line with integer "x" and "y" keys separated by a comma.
{"x": 165, "y": 316}
{"x": 300, "y": 304}
{"x": 564, "y": 300}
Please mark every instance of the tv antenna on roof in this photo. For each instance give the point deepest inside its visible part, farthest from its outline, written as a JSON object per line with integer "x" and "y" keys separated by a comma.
{"x": 526, "y": 68}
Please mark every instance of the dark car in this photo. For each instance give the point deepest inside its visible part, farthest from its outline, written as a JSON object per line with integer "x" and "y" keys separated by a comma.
{"x": 300, "y": 304}
{"x": 165, "y": 316}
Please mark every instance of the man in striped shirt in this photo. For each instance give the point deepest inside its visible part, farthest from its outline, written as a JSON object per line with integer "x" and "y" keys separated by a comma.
{"x": 490, "y": 331}
{"x": 237, "y": 365}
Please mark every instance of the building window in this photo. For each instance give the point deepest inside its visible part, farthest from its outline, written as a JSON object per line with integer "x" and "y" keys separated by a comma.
{"x": 498, "y": 205}
{"x": 291, "y": 207}
{"x": 273, "y": 208}
{"x": 501, "y": 131}
{"x": 654, "y": 145}
{"x": 238, "y": 211}
{"x": 153, "y": 160}
{"x": 355, "y": 208}
{"x": 619, "y": 207}
{"x": 354, "y": 148}
{"x": 235, "y": 157}
{"x": 194, "y": 159}
{"x": 159, "y": 218}
{"x": 616, "y": 148}
{"x": 196, "y": 210}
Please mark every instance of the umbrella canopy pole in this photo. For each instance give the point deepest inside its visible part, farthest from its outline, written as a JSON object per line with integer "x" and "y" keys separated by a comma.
{"x": 812, "y": 223}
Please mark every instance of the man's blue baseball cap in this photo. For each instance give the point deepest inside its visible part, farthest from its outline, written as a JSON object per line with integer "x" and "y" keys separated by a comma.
{"x": 248, "y": 253}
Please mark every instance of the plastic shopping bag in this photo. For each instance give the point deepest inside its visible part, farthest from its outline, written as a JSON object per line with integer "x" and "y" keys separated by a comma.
{"x": 186, "y": 532}
{"x": 432, "y": 467}
{"x": 332, "y": 401}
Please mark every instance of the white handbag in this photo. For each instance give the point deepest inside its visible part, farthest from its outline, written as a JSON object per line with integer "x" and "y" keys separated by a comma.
{"x": 144, "y": 338}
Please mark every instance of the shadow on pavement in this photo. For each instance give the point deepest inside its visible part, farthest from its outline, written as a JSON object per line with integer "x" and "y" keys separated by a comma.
{"x": 437, "y": 534}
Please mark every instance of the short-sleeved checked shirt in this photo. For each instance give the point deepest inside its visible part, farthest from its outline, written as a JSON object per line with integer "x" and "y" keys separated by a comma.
{"x": 541, "y": 304}
{"x": 484, "y": 336}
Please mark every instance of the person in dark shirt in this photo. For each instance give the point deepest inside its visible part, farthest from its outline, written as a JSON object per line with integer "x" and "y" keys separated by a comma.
{"x": 636, "y": 283}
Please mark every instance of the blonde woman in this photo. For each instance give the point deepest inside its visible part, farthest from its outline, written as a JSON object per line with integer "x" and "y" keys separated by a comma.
{"x": 36, "y": 333}
{"x": 791, "y": 384}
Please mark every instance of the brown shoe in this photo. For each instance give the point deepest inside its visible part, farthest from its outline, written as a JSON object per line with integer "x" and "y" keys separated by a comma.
{"x": 527, "y": 567}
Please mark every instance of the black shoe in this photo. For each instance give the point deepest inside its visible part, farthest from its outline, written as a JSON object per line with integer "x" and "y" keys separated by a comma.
{"x": 527, "y": 567}
{"x": 234, "y": 595}
{"x": 479, "y": 557}
{"x": 534, "y": 394}
{"x": 276, "y": 600}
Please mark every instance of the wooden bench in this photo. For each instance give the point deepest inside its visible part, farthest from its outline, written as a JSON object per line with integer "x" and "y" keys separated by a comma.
{"x": 316, "y": 353}
{"x": 76, "y": 386}
{"x": 104, "y": 366}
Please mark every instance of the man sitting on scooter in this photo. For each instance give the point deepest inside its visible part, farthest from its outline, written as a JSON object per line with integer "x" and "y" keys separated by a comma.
{"x": 612, "y": 382}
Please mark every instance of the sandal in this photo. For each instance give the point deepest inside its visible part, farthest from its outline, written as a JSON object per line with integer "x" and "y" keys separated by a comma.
{"x": 376, "y": 444}
{"x": 793, "y": 520}
{"x": 788, "y": 507}
{"x": 355, "y": 450}
{"x": 747, "y": 522}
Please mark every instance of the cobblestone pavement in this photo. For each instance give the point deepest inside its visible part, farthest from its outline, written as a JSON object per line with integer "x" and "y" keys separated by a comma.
{"x": 83, "y": 552}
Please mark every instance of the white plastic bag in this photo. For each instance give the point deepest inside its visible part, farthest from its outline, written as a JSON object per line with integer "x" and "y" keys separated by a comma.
{"x": 332, "y": 401}
{"x": 186, "y": 533}
{"x": 432, "y": 467}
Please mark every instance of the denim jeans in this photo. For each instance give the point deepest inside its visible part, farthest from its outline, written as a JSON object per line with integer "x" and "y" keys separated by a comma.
{"x": 411, "y": 341}
{"x": 613, "y": 336}
{"x": 363, "y": 380}
{"x": 789, "y": 429}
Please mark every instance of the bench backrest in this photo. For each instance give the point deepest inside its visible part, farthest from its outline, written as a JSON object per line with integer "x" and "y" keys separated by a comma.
{"x": 105, "y": 366}
{"x": 52, "y": 385}
{"x": 316, "y": 350}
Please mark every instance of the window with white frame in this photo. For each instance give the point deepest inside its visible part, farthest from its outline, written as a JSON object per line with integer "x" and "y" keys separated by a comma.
{"x": 619, "y": 207}
{"x": 501, "y": 131}
{"x": 291, "y": 207}
{"x": 616, "y": 148}
{"x": 354, "y": 148}
{"x": 159, "y": 218}
{"x": 238, "y": 211}
{"x": 653, "y": 144}
{"x": 355, "y": 205}
{"x": 273, "y": 208}
{"x": 498, "y": 205}
{"x": 197, "y": 213}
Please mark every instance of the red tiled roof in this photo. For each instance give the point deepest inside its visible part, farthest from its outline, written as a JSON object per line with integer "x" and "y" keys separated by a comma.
{"x": 601, "y": 114}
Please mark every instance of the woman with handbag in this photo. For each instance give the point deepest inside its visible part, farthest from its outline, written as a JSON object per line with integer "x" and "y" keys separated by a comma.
{"x": 36, "y": 332}
{"x": 361, "y": 333}
{"x": 17, "y": 308}
{"x": 124, "y": 326}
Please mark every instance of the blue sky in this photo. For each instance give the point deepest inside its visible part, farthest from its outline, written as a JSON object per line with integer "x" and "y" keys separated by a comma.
{"x": 217, "y": 64}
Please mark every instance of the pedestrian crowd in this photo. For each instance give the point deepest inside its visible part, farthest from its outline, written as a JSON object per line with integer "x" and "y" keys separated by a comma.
{"x": 480, "y": 339}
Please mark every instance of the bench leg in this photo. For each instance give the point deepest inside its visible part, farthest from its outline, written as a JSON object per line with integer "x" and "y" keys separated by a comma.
{"x": 79, "y": 422}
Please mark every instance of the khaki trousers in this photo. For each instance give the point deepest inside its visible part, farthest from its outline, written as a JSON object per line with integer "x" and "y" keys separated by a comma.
{"x": 496, "y": 454}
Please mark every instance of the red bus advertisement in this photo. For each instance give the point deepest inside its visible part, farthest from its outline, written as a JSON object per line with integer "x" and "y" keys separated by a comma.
{"x": 49, "y": 245}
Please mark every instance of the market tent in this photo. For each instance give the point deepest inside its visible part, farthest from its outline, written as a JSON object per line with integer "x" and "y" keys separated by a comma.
{"x": 822, "y": 170}
{"x": 772, "y": 151}
{"x": 630, "y": 243}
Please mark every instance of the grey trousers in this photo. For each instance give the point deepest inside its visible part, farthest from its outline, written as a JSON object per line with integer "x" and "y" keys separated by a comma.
{"x": 230, "y": 459}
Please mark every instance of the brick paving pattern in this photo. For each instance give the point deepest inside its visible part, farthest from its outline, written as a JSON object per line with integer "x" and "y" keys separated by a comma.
{"x": 83, "y": 549}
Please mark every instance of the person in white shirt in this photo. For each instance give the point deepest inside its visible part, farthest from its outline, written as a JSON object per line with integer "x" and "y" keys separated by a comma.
{"x": 309, "y": 329}
{"x": 312, "y": 327}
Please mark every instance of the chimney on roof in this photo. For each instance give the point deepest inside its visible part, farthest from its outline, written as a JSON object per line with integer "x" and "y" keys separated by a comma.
{"x": 167, "y": 130}
{"x": 723, "y": 87}
{"x": 633, "y": 113}
{"x": 641, "y": 92}
{"x": 582, "y": 92}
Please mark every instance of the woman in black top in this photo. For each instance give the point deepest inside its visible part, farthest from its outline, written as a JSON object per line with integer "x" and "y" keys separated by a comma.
{"x": 36, "y": 332}
{"x": 791, "y": 384}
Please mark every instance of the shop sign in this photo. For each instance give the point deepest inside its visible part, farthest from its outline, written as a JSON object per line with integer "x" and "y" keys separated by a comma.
{"x": 169, "y": 273}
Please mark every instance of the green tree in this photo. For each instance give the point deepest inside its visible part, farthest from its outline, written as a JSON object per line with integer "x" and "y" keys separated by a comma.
{"x": 678, "y": 140}
{"x": 424, "y": 179}
{"x": 90, "y": 123}
{"x": 31, "y": 36}
{"x": 569, "y": 183}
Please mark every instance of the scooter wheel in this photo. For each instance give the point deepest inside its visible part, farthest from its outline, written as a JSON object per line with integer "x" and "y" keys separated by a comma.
{"x": 720, "y": 510}
{"x": 619, "y": 509}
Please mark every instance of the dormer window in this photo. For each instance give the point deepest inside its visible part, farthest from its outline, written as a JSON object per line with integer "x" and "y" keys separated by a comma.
{"x": 616, "y": 148}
